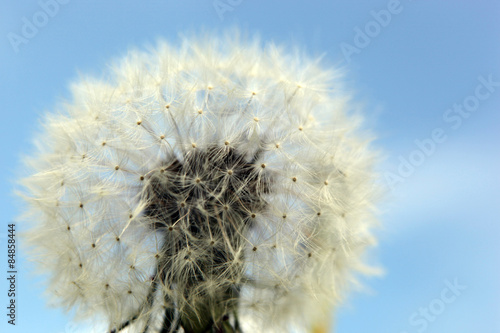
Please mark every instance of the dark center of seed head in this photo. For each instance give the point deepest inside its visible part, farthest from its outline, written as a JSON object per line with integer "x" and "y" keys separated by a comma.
{"x": 197, "y": 204}
{"x": 197, "y": 193}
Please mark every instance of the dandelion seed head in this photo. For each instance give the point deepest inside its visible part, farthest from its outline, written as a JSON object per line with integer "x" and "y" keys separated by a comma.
{"x": 198, "y": 181}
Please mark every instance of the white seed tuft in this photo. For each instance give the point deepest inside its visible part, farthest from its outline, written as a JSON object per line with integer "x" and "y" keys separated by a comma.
{"x": 144, "y": 208}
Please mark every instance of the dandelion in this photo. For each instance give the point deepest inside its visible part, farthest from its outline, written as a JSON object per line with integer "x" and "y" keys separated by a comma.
{"x": 219, "y": 186}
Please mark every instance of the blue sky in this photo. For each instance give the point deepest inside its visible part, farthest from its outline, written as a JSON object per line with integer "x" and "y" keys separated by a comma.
{"x": 440, "y": 218}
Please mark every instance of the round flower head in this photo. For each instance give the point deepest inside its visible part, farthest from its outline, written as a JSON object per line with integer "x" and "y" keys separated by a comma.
{"x": 213, "y": 187}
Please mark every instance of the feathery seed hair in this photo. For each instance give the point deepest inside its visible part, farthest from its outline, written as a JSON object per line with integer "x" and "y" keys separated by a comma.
{"x": 211, "y": 187}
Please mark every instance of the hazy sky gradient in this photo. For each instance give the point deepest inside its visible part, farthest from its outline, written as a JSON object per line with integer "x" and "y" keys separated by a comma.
{"x": 441, "y": 223}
